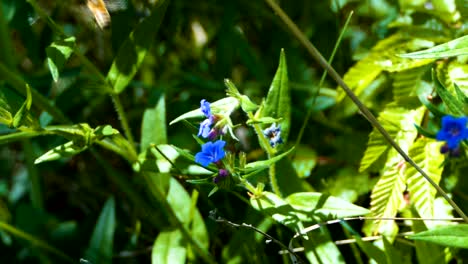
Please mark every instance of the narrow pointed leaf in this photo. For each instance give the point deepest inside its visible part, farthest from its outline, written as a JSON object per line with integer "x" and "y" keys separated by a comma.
{"x": 453, "y": 105}
{"x": 278, "y": 101}
{"x": 101, "y": 244}
{"x": 68, "y": 149}
{"x": 134, "y": 49}
{"x": 449, "y": 236}
{"x": 263, "y": 164}
{"x": 452, "y": 48}
{"x": 325, "y": 205}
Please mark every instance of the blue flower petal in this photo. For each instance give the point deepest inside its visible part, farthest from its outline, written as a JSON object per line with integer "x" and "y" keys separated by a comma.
{"x": 453, "y": 131}
{"x": 211, "y": 152}
{"x": 205, "y": 108}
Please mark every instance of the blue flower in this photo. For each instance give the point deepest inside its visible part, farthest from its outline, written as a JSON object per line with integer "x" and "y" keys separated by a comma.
{"x": 273, "y": 133}
{"x": 453, "y": 131}
{"x": 211, "y": 152}
{"x": 205, "y": 126}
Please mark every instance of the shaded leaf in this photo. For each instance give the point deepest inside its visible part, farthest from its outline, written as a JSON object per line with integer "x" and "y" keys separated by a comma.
{"x": 57, "y": 55}
{"x": 453, "y": 105}
{"x": 101, "y": 245}
{"x": 133, "y": 51}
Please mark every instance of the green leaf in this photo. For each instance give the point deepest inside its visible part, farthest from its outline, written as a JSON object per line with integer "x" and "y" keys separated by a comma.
{"x": 222, "y": 107}
{"x": 392, "y": 254}
{"x": 449, "y": 236}
{"x": 278, "y": 101}
{"x": 305, "y": 159}
{"x": 387, "y": 195}
{"x": 133, "y": 51}
{"x": 424, "y": 249}
{"x": 321, "y": 204}
{"x": 320, "y": 248}
{"x": 398, "y": 122}
{"x": 68, "y": 149}
{"x": 57, "y": 55}
{"x": 452, "y": 48}
{"x": 264, "y": 164}
{"x": 382, "y": 58}
{"x": 101, "y": 245}
{"x": 23, "y": 116}
{"x": 407, "y": 84}
{"x": 372, "y": 251}
{"x": 169, "y": 247}
{"x": 453, "y": 105}
{"x": 426, "y": 153}
{"x": 153, "y": 128}
{"x": 278, "y": 209}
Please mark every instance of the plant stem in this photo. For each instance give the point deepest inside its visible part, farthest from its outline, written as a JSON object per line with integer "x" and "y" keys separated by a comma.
{"x": 364, "y": 110}
{"x": 270, "y": 153}
{"x": 36, "y": 193}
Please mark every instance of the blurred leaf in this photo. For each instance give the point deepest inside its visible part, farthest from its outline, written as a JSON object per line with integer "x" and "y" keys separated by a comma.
{"x": 321, "y": 204}
{"x": 452, "y": 48}
{"x": 305, "y": 159}
{"x": 278, "y": 101}
{"x": 426, "y": 153}
{"x": 320, "y": 248}
{"x": 169, "y": 247}
{"x": 406, "y": 84}
{"x": 133, "y": 51}
{"x": 68, "y": 149}
{"x": 392, "y": 254}
{"x": 57, "y": 55}
{"x": 101, "y": 244}
{"x": 372, "y": 251}
{"x": 153, "y": 128}
{"x": 449, "y": 236}
{"x": 424, "y": 249}
{"x": 23, "y": 117}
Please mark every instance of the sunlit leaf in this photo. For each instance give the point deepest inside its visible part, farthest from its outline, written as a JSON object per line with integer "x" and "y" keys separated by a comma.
{"x": 453, "y": 105}
{"x": 324, "y": 205}
{"x": 398, "y": 122}
{"x": 452, "y": 48}
{"x": 426, "y": 153}
{"x": 169, "y": 247}
{"x": 278, "y": 101}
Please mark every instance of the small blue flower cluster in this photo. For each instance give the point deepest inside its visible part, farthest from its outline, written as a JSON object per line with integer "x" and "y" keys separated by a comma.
{"x": 212, "y": 152}
{"x": 453, "y": 131}
{"x": 273, "y": 133}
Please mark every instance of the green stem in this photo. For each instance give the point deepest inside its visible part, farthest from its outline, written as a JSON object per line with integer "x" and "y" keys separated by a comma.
{"x": 36, "y": 193}
{"x": 322, "y": 79}
{"x": 364, "y": 110}
{"x": 123, "y": 119}
{"x": 270, "y": 153}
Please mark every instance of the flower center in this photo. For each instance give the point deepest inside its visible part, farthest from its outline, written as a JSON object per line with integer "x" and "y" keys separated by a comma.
{"x": 454, "y": 131}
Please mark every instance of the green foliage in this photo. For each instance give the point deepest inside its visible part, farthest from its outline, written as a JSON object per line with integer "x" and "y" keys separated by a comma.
{"x": 84, "y": 116}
